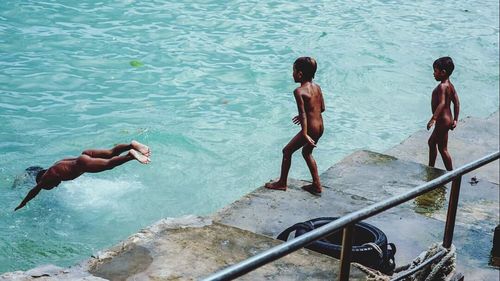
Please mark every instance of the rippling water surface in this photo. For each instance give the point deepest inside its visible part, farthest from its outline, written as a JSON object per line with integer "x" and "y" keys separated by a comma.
{"x": 212, "y": 98}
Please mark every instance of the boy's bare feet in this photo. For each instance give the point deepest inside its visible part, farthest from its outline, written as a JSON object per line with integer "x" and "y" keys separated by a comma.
{"x": 276, "y": 186}
{"x": 141, "y": 148}
{"x": 312, "y": 189}
{"x": 139, "y": 156}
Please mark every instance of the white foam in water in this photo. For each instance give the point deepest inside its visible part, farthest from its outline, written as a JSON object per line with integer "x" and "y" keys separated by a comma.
{"x": 91, "y": 192}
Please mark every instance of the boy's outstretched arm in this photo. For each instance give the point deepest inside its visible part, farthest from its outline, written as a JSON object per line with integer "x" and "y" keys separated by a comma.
{"x": 456, "y": 109}
{"x": 31, "y": 194}
{"x": 441, "y": 97}
{"x": 302, "y": 117}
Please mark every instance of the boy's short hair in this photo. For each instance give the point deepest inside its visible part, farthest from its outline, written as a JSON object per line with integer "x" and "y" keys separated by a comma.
{"x": 444, "y": 63}
{"x": 307, "y": 66}
{"x": 39, "y": 175}
{"x": 35, "y": 172}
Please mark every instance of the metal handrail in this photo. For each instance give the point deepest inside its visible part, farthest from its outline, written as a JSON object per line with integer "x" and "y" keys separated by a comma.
{"x": 349, "y": 220}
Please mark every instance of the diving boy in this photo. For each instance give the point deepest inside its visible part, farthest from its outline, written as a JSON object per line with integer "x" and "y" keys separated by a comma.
{"x": 90, "y": 161}
{"x": 442, "y": 97}
{"x": 310, "y": 105}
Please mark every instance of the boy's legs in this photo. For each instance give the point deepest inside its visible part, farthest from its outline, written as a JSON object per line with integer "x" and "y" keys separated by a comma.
{"x": 88, "y": 164}
{"x": 294, "y": 144}
{"x": 313, "y": 168}
{"x": 107, "y": 153}
{"x": 117, "y": 150}
{"x": 439, "y": 140}
{"x": 443, "y": 148}
{"x": 432, "y": 148}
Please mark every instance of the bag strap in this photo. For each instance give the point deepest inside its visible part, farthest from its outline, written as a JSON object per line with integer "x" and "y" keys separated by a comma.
{"x": 283, "y": 236}
{"x": 392, "y": 251}
{"x": 390, "y": 262}
{"x": 376, "y": 248}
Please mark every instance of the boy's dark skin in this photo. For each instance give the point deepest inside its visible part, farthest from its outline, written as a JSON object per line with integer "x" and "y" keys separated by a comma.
{"x": 310, "y": 105}
{"x": 442, "y": 97}
{"x": 91, "y": 161}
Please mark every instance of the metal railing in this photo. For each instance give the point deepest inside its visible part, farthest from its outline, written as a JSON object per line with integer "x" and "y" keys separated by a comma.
{"x": 348, "y": 221}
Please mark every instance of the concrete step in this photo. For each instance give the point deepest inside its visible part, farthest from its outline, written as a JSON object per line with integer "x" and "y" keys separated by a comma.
{"x": 357, "y": 181}
{"x": 364, "y": 178}
{"x": 191, "y": 248}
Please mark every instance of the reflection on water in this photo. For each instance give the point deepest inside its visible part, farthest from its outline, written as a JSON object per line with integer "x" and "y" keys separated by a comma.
{"x": 430, "y": 202}
{"x": 433, "y": 201}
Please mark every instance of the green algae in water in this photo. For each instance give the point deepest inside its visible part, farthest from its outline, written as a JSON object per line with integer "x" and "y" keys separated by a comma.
{"x": 431, "y": 202}
{"x": 136, "y": 63}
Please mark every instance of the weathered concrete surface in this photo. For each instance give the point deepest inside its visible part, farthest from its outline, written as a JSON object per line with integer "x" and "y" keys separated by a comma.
{"x": 415, "y": 226}
{"x": 359, "y": 180}
{"x": 269, "y": 212}
{"x": 473, "y": 138}
{"x": 193, "y": 251}
{"x": 191, "y": 248}
{"x": 50, "y": 273}
{"x": 364, "y": 178}
{"x": 376, "y": 176}
{"x": 478, "y": 208}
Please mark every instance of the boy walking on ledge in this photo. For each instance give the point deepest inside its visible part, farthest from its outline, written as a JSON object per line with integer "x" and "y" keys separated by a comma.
{"x": 442, "y": 97}
{"x": 310, "y": 105}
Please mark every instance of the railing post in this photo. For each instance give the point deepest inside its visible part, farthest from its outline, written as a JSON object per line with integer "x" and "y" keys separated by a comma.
{"x": 345, "y": 255}
{"x": 452, "y": 212}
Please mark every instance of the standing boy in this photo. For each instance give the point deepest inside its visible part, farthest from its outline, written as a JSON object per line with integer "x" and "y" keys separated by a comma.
{"x": 310, "y": 105}
{"x": 442, "y": 97}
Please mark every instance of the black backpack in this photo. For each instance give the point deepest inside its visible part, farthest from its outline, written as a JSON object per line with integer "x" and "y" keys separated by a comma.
{"x": 370, "y": 247}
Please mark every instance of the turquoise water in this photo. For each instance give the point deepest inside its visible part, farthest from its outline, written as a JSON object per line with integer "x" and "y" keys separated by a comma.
{"x": 208, "y": 86}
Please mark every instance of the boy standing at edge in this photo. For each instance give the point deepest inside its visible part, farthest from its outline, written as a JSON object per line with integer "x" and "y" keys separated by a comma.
{"x": 442, "y": 97}
{"x": 310, "y": 105}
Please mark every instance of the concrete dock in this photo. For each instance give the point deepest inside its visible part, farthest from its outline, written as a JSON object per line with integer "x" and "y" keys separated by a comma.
{"x": 190, "y": 248}
{"x": 364, "y": 178}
